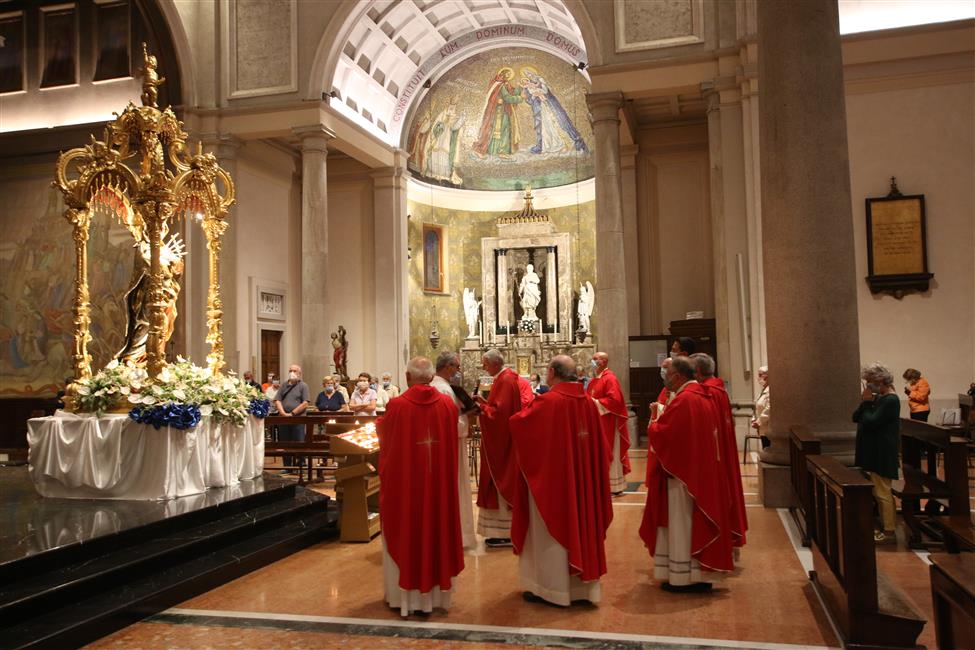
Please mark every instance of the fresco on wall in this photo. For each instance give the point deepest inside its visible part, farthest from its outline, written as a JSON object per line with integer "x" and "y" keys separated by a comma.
{"x": 462, "y": 259}
{"x": 503, "y": 119}
{"x": 37, "y": 294}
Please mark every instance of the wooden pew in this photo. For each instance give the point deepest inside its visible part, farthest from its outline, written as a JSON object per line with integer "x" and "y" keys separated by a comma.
{"x": 803, "y": 443}
{"x": 925, "y": 447}
{"x": 316, "y": 443}
{"x": 953, "y": 596}
{"x": 866, "y": 607}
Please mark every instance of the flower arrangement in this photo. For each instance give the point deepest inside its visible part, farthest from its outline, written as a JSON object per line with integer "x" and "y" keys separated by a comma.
{"x": 178, "y": 397}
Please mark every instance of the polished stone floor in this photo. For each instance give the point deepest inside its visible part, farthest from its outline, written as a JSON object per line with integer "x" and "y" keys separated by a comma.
{"x": 331, "y": 594}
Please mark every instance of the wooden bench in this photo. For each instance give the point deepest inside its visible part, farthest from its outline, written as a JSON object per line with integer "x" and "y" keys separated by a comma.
{"x": 867, "y": 609}
{"x": 953, "y": 596}
{"x": 802, "y": 443}
{"x": 319, "y": 427}
{"x": 924, "y": 448}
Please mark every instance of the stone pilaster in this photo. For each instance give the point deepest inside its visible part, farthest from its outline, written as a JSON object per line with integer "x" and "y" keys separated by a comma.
{"x": 551, "y": 289}
{"x": 316, "y": 350}
{"x": 807, "y": 225}
{"x": 233, "y": 293}
{"x": 611, "y": 273}
{"x": 502, "y": 265}
{"x": 392, "y": 312}
{"x": 631, "y": 239}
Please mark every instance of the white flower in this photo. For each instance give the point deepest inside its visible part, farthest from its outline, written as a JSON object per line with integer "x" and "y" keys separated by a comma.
{"x": 179, "y": 393}
{"x": 206, "y": 409}
{"x": 165, "y": 376}
{"x": 83, "y": 390}
{"x": 156, "y": 390}
{"x": 228, "y": 385}
{"x": 148, "y": 399}
{"x": 135, "y": 398}
{"x": 124, "y": 390}
{"x": 135, "y": 384}
{"x": 112, "y": 365}
{"x": 213, "y": 389}
{"x": 223, "y": 411}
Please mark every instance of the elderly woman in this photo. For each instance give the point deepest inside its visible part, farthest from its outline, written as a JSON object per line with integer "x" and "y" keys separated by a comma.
{"x": 330, "y": 399}
{"x": 762, "y": 408}
{"x": 918, "y": 392}
{"x": 878, "y": 436}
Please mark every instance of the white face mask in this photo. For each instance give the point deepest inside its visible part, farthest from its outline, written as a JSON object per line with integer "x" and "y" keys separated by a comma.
{"x": 363, "y": 386}
{"x": 386, "y": 383}
{"x": 293, "y": 376}
{"x": 330, "y": 389}
{"x": 456, "y": 379}
{"x": 663, "y": 374}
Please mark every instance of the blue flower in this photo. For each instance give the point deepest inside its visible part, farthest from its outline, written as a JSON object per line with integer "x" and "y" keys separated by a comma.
{"x": 259, "y": 408}
{"x": 177, "y": 416}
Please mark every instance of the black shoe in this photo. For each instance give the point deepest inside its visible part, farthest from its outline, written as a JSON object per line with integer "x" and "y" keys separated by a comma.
{"x": 529, "y": 597}
{"x": 618, "y": 494}
{"x": 695, "y": 588}
{"x": 497, "y": 542}
{"x": 766, "y": 443}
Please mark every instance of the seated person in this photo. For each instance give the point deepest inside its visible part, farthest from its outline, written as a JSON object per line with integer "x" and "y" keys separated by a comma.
{"x": 330, "y": 399}
{"x": 363, "y": 399}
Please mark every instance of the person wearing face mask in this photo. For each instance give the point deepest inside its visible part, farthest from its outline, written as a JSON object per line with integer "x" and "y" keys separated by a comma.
{"x": 763, "y": 408}
{"x": 657, "y": 408}
{"x": 272, "y": 389}
{"x": 363, "y": 399}
{"x": 448, "y": 371}
{"x": 877, "y": 441}
{"x": 291, "y": 400}
{"x": 605, "y": 391}
{"x": 330, "y": 399}
{"x": 340, "y": 388}
{"x": 270, "y": 380}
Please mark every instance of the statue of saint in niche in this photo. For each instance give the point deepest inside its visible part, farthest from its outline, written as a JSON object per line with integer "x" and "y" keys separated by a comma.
{"x": 340, "y": 351}
{"x": 530, "y": 293}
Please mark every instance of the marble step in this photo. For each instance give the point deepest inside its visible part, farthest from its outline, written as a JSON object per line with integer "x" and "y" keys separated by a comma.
{"x": 50, "y": 589}
{"x": 77, "y": 623}
{"x": 137, "y": 527}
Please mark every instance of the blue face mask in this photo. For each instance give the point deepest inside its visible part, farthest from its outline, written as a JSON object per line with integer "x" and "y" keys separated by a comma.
{"x": 372, "y": 386}
{"x": 594, "y": 363}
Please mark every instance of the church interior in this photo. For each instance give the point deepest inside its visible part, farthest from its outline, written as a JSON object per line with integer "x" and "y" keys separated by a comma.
{"x": 209, "y": 203}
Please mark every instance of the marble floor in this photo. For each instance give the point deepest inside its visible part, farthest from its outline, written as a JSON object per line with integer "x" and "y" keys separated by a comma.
{"x": 332, "y": 594}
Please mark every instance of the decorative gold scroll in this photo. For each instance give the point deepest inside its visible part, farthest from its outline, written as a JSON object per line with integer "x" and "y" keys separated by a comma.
{"x": 142, "y": 175}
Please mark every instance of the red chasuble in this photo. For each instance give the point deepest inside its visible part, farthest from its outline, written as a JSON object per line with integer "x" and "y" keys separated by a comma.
{"x": 606, "y": 390}
{"x": 684, "y": 442}
{"x": 499, "y": 473}
{"x": 728, "y": 451}
{"x": 563, "y": 458}
{"x": 418, "y": 503}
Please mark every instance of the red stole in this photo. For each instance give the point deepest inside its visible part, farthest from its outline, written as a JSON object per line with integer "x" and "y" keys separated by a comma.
{"x": 606, "y": 390}
{"x": 684, "y": 445}
{"x": 418, "y": 502}
{"x": 728, "y": 451}
{"x": 563, "y": 458}
{"x": 499, "y": 472}
{"x": 525, "y": 391}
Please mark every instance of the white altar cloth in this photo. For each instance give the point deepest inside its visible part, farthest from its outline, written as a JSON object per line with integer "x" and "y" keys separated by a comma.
{"x": 83, "y": 456}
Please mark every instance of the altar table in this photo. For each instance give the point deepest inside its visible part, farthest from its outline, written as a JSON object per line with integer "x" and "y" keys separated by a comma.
{"x": 84, "y": 456}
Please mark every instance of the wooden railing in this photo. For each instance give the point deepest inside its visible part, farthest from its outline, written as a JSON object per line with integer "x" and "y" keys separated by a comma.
{"x": 802, "y": 443}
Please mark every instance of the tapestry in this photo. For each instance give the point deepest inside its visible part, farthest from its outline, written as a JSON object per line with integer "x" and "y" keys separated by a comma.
{"x": 501, "y": 120}
{"x": 37, "y": 289}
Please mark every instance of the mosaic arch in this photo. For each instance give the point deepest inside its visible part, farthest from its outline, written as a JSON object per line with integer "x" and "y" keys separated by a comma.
{"x": 503, "y": 119}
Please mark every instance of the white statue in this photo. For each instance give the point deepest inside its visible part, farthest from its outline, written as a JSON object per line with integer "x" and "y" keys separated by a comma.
{"x": 471, "y": 307}
{"x": 587, "y": 301}
{"x": 530, "y": 293}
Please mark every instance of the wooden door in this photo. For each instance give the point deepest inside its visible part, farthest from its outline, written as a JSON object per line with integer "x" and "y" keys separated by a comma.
{"x": 270, "y": 353}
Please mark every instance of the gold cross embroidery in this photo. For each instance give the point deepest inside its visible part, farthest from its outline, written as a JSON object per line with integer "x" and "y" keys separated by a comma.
{"x": 429, "y": 442}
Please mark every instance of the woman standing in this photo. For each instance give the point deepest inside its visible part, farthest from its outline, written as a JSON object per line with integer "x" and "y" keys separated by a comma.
{"x": 878, "y": 437}
{"x": 918, "y": 392}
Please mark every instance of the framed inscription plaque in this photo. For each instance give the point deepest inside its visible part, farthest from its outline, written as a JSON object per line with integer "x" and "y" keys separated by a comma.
{"x": 897, "y": 254}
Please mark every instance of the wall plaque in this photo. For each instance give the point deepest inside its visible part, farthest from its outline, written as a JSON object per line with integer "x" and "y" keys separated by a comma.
{"x": 897, "y": 256}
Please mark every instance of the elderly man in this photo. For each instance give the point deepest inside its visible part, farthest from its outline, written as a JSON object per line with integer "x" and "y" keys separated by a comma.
{"x": 448, "y": 373}
{"x": 564, "y": 508}
{"x": 249, "y": 380}
{"x": 727, "y": 444}
{"x": 499, "y": 472}
{"x": 290, "y": 400}
{"x": 657, "y": 408}
{"x": 685, "y": 521}
{"x": 422, "y": 546}
{"x": 605, "y": 391}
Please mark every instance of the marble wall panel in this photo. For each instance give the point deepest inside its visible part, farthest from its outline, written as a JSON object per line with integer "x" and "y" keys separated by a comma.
{"x": 263, "y": 46}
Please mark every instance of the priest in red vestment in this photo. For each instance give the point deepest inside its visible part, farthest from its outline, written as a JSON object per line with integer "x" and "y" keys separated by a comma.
{"x": 422, "y": 546}
{"x": 605, "y": 391}
{"x": 727, "y": 444}
{"x": 686, "y": 518}
{"x": 563, "y": 506}
{"x": 657, "y": 408}
{"x": 498, "y": 479}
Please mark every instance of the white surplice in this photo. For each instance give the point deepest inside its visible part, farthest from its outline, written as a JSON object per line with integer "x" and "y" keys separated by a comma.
{"x": 672, "y": 561}
{"x": 543, "y": 566}
{"x": 410, "y": 600}
{"x": 464, "y": 494}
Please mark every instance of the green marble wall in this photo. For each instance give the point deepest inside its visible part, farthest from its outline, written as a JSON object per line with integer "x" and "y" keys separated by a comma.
{"x": 464, "y": 231}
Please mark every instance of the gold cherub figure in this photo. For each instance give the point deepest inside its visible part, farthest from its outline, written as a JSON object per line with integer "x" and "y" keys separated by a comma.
{"x": 150, "y": 79}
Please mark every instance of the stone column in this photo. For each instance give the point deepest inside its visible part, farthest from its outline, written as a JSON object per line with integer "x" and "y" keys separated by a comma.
{"x": 392, "y": 313}
{"x": 631, "y": 241}
{"x": 316, "y": 349}
{"x": 810, "y": 279}
{"x": 610, "y": 311}
{"x": 235, "y": 329}
{"x": 551, "y": 289}
{"x": 501, "y": 264}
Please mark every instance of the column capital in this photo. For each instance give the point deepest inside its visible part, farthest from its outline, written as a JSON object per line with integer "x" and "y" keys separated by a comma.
{"x": 605, "y": 106}
{"x": 224, "y": 145}
{"x": 314, "y": 137}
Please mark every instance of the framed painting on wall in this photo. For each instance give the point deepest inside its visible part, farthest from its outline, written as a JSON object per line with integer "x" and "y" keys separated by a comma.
{"x": 112, "y": 40}
{"x": 897, "y": 251}
{"x": 59, "y": 46}
{"x": 12, "y": 52}
{"x": 434, "y": 273}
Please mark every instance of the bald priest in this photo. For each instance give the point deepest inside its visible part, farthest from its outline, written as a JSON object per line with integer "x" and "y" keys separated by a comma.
{"x": 418, "y": 503}
{"x": 563, "y": 506}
